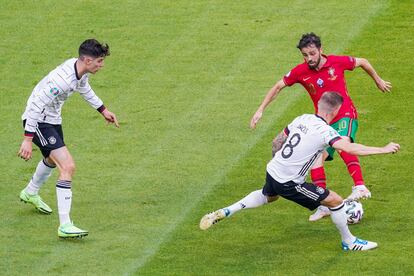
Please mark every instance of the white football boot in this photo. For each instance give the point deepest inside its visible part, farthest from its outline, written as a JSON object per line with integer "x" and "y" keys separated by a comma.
{"x": 359, "y": 245}
{"x": 321, "y": 212}
{"x": 212, "y": 218}
{"x": 358, "y": 192}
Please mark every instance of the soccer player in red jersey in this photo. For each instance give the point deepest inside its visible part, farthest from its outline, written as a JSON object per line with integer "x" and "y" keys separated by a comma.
{"x": 318, "y": 74}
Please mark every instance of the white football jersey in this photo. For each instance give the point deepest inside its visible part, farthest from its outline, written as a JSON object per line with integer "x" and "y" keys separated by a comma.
{"x": 45, "y": 103}
{"x": 308, "y": 136}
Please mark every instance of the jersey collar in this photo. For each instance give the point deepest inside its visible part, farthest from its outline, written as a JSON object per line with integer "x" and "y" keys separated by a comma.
{"x": 327, "y": 63}
{"x": 321, "y": 118}
{"x": 76, "y": 71}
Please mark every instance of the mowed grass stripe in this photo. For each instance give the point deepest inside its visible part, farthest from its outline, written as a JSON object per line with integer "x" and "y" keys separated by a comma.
{"x": 356, "y": 29}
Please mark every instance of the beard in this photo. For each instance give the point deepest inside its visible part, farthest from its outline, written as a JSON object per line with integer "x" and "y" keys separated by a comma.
{"x": 316, "y": 64}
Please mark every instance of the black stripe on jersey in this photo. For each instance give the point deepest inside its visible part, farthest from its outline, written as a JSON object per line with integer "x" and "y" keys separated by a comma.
{"x": 63, "y": 69}
{"x": 40, "y": 98}
{"x": 334, "y": 140}
{"x": 64, "y": 79}
{"x": 36, "y": 105}
{"x": 308, "y": 164}
{"x": 93, "y": 96}
{"x": 87, "y": 91}
{"x": 47, "y": 95}
{"x": 286, "y": 130}
{"x": 33, "y": 110}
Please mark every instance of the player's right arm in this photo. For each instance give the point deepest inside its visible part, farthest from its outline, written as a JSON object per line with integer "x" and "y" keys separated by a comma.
{"x": 359, "y": 149}
{"x": 43, "y": 95}
{"x": 271, "y": 95}
{"x": 279, "y": 141}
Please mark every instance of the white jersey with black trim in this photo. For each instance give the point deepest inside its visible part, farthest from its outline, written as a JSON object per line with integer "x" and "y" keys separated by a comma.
{"x": 45, "y": 103}
{"x": 308, "y": 136}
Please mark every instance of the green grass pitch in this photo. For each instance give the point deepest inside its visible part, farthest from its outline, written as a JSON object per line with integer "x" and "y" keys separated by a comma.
{"x": 184, "y": 78}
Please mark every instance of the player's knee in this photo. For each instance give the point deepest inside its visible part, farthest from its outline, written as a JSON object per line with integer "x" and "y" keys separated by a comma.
{"x": 271, "y": 198}
{"x": 68, "y": 168}
{"x": 332, "y": 200}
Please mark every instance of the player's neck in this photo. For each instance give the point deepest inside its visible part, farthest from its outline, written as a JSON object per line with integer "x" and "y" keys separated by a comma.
{"x": 321, "y": 63}
{"x": 80, "y": 69}
{"x": 327, "y": 117}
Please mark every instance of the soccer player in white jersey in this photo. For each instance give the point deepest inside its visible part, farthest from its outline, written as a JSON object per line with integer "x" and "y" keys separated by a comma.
{"x": 298, "y": 147}
{"x": 42, "y": 125}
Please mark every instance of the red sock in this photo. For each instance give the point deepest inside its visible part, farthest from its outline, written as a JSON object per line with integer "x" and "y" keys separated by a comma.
{"x": 354, "y": 168}
{"x": 318, "y": 177}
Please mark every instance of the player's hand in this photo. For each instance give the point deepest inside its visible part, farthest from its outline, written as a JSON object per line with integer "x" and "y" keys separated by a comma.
{"x": 392, "y": 148}
{"x": 384, "y": 86}
{"x": 110, "y": 117}
{"x": 25, "y": 151}
{"x": 256, "y": 117}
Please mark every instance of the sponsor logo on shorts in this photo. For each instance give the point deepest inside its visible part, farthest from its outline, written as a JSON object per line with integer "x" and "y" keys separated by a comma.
{"x": 320, "y": 190}
{"x": 52, "y": 140}
{"x": 54, "y": 91}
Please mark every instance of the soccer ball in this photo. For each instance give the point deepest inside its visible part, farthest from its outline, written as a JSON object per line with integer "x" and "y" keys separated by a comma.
{"x": 354, "y": 211}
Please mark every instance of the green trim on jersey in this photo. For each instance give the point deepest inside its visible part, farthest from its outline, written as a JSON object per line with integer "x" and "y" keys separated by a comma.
{"x": 345, "y": 127}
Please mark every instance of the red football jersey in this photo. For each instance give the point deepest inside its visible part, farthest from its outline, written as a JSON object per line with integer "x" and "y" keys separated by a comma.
{"x": 329, "y": 78}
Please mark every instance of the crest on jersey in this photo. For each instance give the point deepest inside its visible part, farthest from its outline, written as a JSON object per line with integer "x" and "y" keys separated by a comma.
{"x": 331, "y": 73}
{"x": 54, "y": 91}
{"x": 320, "y": 82}
{"x": 52, "y": 140}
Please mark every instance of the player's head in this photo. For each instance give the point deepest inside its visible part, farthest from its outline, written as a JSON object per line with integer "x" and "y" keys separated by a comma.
{"x": 329, "y": 104}
{"x": 311, "y": 48}
{"x": 93, "y": 53}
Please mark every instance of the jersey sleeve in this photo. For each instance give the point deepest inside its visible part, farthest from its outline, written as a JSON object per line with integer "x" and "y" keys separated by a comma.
{"x": 346, "y": 62}
{"x": 330, "y": 135}
{"x": 291, "y": 77}
{"x": 89, "y": 95}
{"x": 42, "y": 96}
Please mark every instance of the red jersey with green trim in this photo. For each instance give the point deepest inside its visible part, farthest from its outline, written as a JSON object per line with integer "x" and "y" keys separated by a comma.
{"x": 329, "y": 78}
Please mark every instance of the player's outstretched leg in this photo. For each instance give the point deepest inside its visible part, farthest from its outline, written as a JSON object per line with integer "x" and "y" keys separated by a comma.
{"x": 212, "y": 218}
{"x": 321, "y": 212}
{"x": 252, "y": 200}
{"x": 358, "y": 192}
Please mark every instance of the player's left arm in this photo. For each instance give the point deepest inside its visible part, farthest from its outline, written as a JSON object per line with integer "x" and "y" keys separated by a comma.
{"x": 359, "y": 149}
{"x": 89, "y": 95}
{"x": 384, "y": 86}
{"x": 109, "y": 116}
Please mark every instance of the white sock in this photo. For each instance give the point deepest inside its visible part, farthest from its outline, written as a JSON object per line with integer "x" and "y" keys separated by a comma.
{"x": 42, "y": 173}
{"x": 338, "y": 216}
{"x": 64, "y": 200}
{"x": 252, "y": 200}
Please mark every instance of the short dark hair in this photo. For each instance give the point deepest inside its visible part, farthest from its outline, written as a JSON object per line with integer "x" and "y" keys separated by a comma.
{"x": 309, "y": 39}
{"x": 330, "y": 101}
{"x": 93, "y": 48}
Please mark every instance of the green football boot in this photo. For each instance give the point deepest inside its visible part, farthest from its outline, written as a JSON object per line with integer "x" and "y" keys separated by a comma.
{"x": 69, "y": 230}
{"x": 36, "y": 201}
